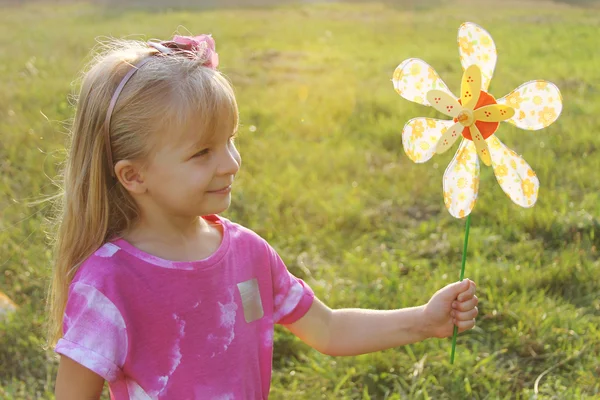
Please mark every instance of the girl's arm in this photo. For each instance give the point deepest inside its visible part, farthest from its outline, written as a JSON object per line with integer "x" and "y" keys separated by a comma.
{"x": 347, "y": 332}
{"x": 76, "y": 382}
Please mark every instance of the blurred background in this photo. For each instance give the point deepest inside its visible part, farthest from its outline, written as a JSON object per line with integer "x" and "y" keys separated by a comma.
{"x": 326, "y": 181}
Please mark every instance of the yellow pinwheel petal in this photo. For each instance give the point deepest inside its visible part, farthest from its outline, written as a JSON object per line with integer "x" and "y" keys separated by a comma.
{"x": 537, "y": 104}
{"x": 515, "y": 176}
{"x": 480, "y": 145}
{"x": 494, "y": 113}
{"x": 444, "y": 103}
{"x": 470, "y": 87}
{"x": 413, "y": 78}
{"x": 449, "y": 137}
{"x": 476, "y": 47}
{"x": 461, "y": 181}
{"x": 420, "y": 136}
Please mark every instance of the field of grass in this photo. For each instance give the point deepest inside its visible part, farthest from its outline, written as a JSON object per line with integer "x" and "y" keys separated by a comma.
{"x": 326, "y": 181}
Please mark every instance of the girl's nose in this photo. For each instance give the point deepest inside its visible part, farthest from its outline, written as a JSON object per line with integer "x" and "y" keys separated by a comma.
{"x": 231, "y": 161}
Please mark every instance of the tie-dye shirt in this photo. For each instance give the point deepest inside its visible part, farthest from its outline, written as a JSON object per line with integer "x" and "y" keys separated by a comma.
{"x": 159, "y": 329}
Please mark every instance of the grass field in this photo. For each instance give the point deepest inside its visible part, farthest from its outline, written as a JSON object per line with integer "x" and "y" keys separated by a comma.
{"x": 326, "y": 181}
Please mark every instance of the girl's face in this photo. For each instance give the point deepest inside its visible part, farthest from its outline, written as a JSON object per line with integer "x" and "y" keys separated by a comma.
{"x": 191, "y": 173}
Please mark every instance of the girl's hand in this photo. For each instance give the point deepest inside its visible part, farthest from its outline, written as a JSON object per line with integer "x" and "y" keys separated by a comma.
{"x": 454, "y": 304}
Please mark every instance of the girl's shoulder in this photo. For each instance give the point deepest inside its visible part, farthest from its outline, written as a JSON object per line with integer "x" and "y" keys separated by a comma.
{"x": 238, "y": 233}
{"x": 101, "y": 267}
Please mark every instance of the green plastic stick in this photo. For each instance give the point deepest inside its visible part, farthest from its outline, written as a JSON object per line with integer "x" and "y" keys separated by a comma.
{"x": 462, "y": 275}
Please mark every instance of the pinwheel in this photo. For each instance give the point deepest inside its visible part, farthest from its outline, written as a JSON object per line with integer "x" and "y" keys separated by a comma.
{"x": 474, "y": 117}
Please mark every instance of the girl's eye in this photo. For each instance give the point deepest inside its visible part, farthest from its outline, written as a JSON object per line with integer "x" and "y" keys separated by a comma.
{"x": 201, "y": 153}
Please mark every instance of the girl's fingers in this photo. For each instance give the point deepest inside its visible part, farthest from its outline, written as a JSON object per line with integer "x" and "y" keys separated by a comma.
{"x": 466, "y": 305}
{"x": 468, "y": 293}
{"x": 465, "y": 316}
{"x": 465, "y": 325}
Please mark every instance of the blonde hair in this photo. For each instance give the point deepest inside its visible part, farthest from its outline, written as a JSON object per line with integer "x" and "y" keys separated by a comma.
{"x": 93, "y": 207}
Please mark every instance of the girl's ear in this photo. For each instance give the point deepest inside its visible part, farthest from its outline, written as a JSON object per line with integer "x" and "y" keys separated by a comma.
{"x": 129, "y": 174}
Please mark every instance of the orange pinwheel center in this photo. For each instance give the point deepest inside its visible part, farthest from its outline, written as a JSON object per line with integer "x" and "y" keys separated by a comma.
{"x": 487, "y": 129}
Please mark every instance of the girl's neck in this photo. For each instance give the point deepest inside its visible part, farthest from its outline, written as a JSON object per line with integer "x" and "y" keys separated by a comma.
{"x": 183, "y": 241}
{"x": 167, "y": 229}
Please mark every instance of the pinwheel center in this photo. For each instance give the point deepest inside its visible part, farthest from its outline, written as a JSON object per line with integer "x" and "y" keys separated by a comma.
{"x": 487, "y": 129}
{"x": 465, "y": 117}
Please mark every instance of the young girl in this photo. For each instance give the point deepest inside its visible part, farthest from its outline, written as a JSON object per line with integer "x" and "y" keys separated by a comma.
{"x": 152, "y": 290}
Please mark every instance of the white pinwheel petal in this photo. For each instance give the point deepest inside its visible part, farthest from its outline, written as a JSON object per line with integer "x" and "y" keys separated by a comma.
{"x": 476, "y": 46}
{"x": 514, "y": 175}
{"x": 537, "y": 104}
{"x": 413, "y": 78}
{"x": 420, "y": 136}
{"x": 461, "y": 180}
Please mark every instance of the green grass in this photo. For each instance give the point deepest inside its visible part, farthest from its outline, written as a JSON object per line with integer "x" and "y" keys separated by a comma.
{"x": 326, "y": 181}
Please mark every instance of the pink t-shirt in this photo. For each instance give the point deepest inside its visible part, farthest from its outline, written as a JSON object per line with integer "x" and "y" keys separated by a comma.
{"x": 159, "y": 329}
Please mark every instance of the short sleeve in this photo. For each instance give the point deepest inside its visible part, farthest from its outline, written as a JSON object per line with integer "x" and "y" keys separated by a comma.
{"x": 292, "y": 297}
{"x": 94, "y": 332}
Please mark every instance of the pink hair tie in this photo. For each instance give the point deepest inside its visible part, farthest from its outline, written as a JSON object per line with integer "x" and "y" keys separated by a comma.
{"x": 201, "y": 48}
